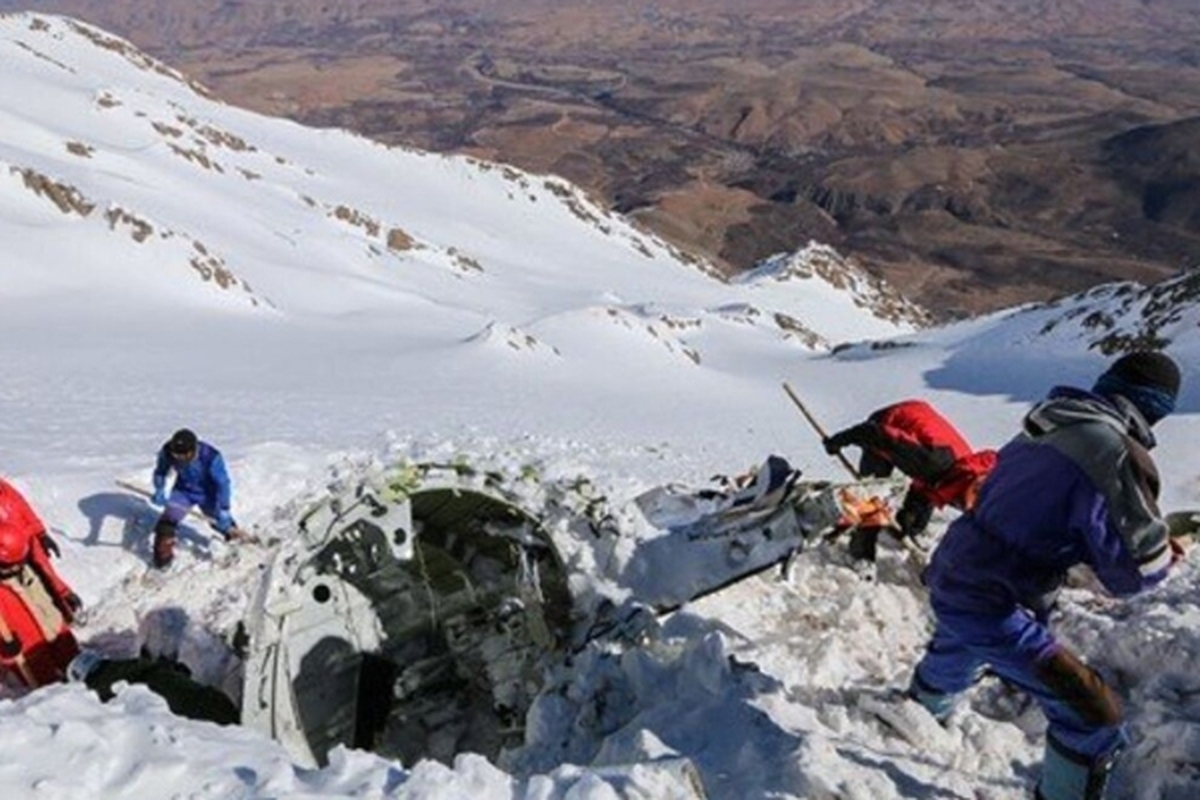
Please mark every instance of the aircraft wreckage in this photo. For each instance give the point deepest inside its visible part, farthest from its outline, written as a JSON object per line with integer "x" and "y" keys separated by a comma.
{"x": 416, "y": 610}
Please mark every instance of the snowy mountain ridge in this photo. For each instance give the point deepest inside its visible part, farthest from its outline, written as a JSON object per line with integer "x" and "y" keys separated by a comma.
{"x": 820, "y": 261}
{"x": 1119, "y": 317}
{"x": 113, "y": 142}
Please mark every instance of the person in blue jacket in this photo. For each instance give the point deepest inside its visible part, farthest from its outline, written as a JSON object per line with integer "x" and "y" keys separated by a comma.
{"x": 1077, "y": 486}
{"x": 200, "y": 480}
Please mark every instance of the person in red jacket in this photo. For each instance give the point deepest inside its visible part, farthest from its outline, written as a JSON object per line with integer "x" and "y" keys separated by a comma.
{"x": 36, "y": 605}
{"x": 913, "y": 437}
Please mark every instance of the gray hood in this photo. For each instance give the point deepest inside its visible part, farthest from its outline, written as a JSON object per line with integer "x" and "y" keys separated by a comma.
{"x": 1066, "y": 406}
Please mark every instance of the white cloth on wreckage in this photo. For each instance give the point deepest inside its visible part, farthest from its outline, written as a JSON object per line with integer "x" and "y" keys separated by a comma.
{"x": 677, "y": 505}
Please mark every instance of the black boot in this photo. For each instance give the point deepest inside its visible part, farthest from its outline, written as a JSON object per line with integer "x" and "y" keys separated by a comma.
{"x": 164, "y": 543}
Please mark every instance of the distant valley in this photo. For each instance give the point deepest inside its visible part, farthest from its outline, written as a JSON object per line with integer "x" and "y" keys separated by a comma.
{"x": 975, "y": 154}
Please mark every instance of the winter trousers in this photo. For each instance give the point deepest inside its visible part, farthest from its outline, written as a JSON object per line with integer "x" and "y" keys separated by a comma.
{"x": 179, "y": 503}
{"x": 1086, "y": 728}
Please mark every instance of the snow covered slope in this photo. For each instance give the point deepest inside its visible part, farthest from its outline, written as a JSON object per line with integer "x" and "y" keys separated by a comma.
{"x": 138, "y": 208}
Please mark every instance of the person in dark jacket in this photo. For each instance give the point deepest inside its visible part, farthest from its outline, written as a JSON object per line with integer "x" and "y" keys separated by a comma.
{"x": 913, "y": 437}
{"x": 201, "y": 479}
{"x": 1077, "y": 486}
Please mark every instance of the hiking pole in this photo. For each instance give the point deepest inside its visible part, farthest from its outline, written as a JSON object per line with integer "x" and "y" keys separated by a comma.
{"x": 820, "y": 431}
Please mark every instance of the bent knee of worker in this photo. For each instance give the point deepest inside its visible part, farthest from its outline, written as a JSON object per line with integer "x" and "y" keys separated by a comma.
{"x": 175, "y": 510}
{"x": 947, "y": 672}
{"x": 1080, "y": 688}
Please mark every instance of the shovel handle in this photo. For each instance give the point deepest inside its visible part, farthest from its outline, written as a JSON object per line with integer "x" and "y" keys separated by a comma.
{"x": 820, "y": 431}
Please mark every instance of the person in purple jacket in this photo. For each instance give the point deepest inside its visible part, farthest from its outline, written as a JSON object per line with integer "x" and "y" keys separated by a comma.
{"x": 1077, "y": 486}
{"x": 200, "y": 480}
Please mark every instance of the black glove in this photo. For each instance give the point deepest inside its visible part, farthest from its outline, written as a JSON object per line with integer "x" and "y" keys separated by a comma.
{"x": 50, "y": 545}
{"x": 72, "y": 605}
{"x": 832, "y": 445}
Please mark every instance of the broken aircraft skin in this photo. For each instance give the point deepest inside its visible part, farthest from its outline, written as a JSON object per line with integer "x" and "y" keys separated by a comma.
{"x": 409, "y": 619}
{"x": 416, "y": 610}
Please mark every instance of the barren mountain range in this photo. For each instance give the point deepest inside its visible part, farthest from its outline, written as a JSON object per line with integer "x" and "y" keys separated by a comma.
{"x": 976, "y": 153}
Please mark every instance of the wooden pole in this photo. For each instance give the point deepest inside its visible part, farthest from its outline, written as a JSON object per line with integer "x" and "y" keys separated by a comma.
{"x": 820, "y": 431}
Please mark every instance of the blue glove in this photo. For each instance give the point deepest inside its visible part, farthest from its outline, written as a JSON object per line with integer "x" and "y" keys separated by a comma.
{"x": 160, "y": 497}
{"x": 224, "y": 521}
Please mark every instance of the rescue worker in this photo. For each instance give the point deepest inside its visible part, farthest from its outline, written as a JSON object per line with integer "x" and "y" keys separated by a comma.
{"x": 201, "y": 479}
{"x": 913, "y": 437}
{"x": 1077, "y": 486}
{"x": 36, "y": 605}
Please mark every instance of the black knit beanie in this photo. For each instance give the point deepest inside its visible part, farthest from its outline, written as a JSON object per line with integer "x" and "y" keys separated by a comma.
{"x": 1146, "y": 378}
{"x": 1148, "y": 368}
